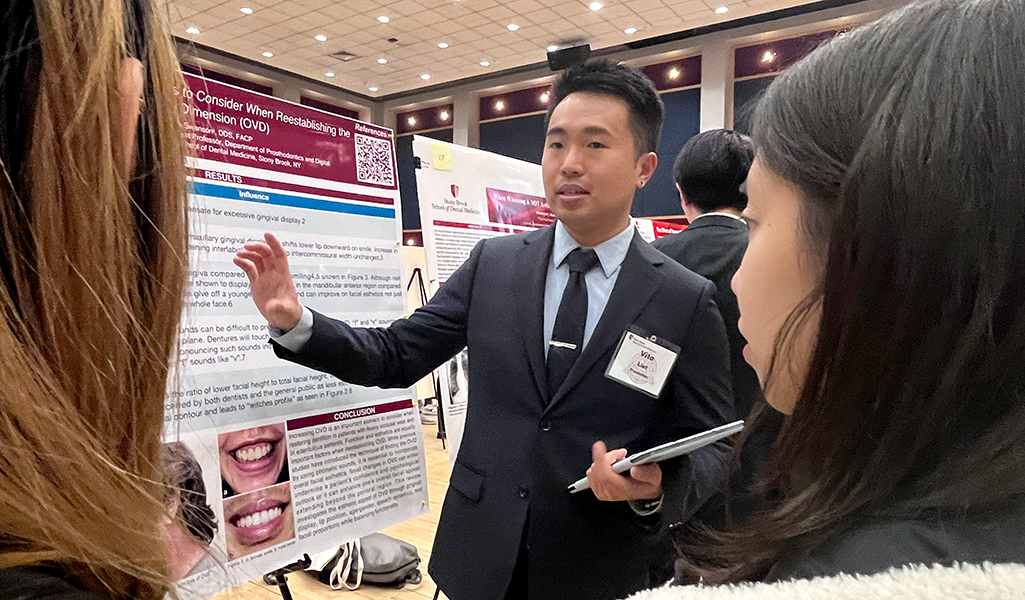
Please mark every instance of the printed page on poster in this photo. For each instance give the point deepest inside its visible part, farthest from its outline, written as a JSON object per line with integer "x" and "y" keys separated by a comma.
{"x": 468, "y": 195}
{"x": 291, "y": 460}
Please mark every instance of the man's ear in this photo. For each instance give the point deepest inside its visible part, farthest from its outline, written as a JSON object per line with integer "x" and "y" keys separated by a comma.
{"x": 647, "y": 163}
{"x": 683, "y": 198}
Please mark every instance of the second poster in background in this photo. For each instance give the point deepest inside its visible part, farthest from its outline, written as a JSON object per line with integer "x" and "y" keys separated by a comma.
{"x": 468, "y": 195}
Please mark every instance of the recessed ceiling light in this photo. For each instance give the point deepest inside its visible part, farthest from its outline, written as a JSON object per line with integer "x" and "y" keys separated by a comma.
{"x": 374, "y": 88}
{"x": 192, "y": 31}
{"x": 412, "y": 121}
{"x": 596, "y": 6}
{"x": 485, "y": 63}
{"x": 630, "y": 30}
{"x": 674, "y": 73}
{"x": 382, "y": 61}
{"x": 545, "y": 97}
{"x": 246, "y": 11}
{"x": 553, "y": 48}
{"x": 320, "y": 38}
{"x": 383, "y": 19}
{"x": 425, "y": 76}
{"x": 769, "y": 56}
{"x": 512, "y": 27}
{"x": 443, "y": 45}
{"x": 268, "y": 54}
{"x": 444, "y": 115}
{"x": 499, "y": 105}
{"x": 329, "y": 74}
{"x": 722, "y": 10}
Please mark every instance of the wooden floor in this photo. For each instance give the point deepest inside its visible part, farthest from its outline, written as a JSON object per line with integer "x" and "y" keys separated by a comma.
{"x": 418, "y": 531}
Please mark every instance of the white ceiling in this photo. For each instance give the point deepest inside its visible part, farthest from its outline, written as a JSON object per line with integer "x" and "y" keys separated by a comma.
{"x": 476, "y": 30}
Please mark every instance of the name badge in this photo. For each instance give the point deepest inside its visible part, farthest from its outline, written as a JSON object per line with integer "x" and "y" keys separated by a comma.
{"x": 642, "y": 361}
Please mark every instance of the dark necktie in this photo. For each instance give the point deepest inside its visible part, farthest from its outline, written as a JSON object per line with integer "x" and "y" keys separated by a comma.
{"x": 568, "y": 333}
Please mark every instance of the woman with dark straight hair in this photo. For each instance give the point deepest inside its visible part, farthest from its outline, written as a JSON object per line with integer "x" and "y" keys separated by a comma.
{"x": 883, "y": 300}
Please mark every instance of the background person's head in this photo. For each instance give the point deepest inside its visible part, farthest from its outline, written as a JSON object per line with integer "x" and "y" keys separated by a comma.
{"x": 93, "y": 260}
{"x": 883, "y": 291}
{"x": 190, "y": 523}
{"x": 603, "y": 127}
{"x": 710, "y": 171}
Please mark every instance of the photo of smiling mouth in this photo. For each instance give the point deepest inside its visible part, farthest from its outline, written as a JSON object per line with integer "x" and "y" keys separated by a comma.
{"x": 259, "y": 520}
{"x": 254, "y": 457}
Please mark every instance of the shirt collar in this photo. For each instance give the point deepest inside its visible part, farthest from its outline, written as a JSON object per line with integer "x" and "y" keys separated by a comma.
{"x": 717, "y": 214}
{"x": 610, "y": 253}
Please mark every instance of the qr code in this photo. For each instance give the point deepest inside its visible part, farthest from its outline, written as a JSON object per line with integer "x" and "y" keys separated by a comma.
{"x": 373, "y": 161}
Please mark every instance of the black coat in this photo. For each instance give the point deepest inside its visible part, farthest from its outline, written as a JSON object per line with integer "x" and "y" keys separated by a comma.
{"x": 522, "y": 445}
{"x": 994, "y": 533}
{"x": 713, "y": 247}
{"x": 28, "y": 583}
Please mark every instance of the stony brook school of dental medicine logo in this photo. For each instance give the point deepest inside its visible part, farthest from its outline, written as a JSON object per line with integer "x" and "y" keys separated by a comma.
{"x": 454, "y": 189}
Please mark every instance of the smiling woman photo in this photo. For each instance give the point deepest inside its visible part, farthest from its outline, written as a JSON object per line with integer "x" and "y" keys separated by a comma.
{"x": 252, "y": 459}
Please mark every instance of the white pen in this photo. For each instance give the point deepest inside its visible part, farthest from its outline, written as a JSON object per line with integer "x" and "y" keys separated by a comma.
{"x": 667, "y": 451}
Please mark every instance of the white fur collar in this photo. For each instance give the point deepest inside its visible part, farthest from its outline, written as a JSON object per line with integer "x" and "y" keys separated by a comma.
{"x": 960, "y": 582}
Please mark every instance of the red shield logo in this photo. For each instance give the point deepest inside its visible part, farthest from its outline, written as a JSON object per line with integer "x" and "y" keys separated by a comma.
{"x": 455, "y": 190}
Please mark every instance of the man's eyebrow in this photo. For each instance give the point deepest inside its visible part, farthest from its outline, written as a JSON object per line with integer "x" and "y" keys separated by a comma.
{"x": 591, "y": 130}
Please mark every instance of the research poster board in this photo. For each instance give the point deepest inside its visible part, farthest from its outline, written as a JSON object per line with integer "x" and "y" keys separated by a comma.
{"x": 293, "y": 461}
{"x": 467, "y": 195}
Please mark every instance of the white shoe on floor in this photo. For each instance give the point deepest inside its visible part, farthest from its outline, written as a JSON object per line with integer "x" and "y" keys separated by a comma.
{"x": 429, "y": 414}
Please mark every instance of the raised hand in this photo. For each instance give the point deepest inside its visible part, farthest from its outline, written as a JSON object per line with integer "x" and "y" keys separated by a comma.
{"x": 266, "y": 265}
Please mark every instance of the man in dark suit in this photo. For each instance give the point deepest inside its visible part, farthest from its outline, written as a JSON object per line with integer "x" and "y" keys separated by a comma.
{"x": 710, "y": 172}
{"x": 542, "y": 315}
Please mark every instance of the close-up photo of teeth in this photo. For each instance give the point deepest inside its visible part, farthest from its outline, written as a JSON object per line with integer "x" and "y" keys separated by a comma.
{"x": 258, "y": 520}
{"x": 252, "y": 459}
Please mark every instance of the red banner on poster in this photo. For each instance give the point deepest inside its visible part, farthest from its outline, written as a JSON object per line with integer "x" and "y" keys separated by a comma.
{"x": 238, "y": 127}
{"x": 514, "y": 208}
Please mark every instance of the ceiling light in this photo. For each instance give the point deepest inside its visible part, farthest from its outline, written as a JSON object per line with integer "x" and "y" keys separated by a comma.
{"x": 410, "y": 242}
{"x": 382, "y": 61}
{"x": 596, "y": 6}
{"x": 412, "y": 121}
{"x": 425, "y": 76}
{"x": 485, "y": 63}
{"x": 443, "y": 45}
{"x": 769, "y": 56}
{"x": 192, "y": 31}
{"x": 722, "y": 10}
{"x": 374, "y": 88}
{"x": 268, "y": 54}
{"x": 553, "y": 48}
{"x": 630, "y": 30}
{"x": 384, "y": 19}
{"x": 246, "y": 11}
{"x": 499, "y": 105}
{"x": 512, "y": 26}
{"x": 444, "y": 115}
{"x": 329, "y": 74}
{"x": 320, "y": 38}
{"x": 674, "y": 73}
{"x": 545, "y": 97}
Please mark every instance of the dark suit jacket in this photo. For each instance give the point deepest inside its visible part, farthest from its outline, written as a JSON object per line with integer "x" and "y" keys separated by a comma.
{"x": 522, "y": 443}
{"x": 714, "y": 247}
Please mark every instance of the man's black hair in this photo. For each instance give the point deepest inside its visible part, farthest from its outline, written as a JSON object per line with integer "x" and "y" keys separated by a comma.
{"x": 711, "y": 168}
{"x": 619, "y": 81}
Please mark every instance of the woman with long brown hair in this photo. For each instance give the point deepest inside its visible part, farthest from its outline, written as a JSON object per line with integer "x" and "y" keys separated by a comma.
{"x": 93, "y": 256}
{"x": 883, "y": 300}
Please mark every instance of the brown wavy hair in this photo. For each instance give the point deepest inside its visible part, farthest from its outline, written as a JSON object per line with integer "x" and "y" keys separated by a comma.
{"x": 907, "y": 140}
{"x": 94, "y": 263}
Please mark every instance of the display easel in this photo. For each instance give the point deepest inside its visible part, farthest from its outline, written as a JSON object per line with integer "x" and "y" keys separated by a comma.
{"x": 418, "y": 277}
{"x": 279, "y": 577}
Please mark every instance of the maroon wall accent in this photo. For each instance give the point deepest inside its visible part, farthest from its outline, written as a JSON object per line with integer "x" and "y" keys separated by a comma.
{"x": 223, "y": 78}
{"x": 426, "y": 119}
{"x": 748, "y": 61}
{"x": 328, "y": 107}
{"x": 519, "y": 102}
{"x": 689, "y": 69}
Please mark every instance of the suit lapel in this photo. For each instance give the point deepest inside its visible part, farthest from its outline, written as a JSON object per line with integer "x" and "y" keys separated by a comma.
{"x": 532, "y": 271}
{"x": 639, "y": 278}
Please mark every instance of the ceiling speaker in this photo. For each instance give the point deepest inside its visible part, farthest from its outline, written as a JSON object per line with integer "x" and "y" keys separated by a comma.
{"x": 568, "y": 57}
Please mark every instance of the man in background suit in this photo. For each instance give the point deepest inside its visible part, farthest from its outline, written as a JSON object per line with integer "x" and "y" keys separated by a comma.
{"x": 542, "y": 314}
{"x": 710, "y": 173}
